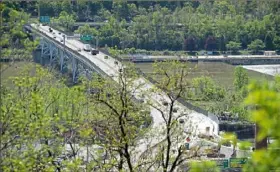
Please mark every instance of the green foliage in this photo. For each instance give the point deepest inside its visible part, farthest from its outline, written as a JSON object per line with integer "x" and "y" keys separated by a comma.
{"x": 206, "y": 89}
{"x": 87, "y": 30}
{"x": 14, "y": 41}
{"x": 169, "y": 26}
{"x": 265, "y": 97}
{"x": 229, "y": 138}
{"x": 66, "y": 20}
{"x": 204, "y": 166}
{"x": 36, "y": 113}
{"x": 233, "y": 46}
{"x": 276, "y": 42}
{"x": 241, "y": 78}
{"x": 120, "y": 120}
{"x": 170, "y": 76}
{"x": 256, "y": 45}
{"x": 208, "y": 95}
{"x": 114, "y": 52}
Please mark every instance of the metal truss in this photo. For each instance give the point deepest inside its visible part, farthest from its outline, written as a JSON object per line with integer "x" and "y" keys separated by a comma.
{"x": 66, "y": 60}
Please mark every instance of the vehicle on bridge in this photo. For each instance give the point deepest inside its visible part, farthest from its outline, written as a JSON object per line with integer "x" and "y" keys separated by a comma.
{"x": 87, "y": 47}
{"x": 94, "y": 52}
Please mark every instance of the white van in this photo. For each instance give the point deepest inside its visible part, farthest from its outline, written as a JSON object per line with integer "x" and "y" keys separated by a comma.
{"x": 87, "y": 47}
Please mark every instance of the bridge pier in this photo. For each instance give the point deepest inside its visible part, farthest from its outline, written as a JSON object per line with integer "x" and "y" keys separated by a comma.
{"x": 57, "y": 54}
{"x": 45, "y": 50}
{"x": 61, "y": 59}
{"x": 74, "y": 69}
{"x": 52, "y": 53}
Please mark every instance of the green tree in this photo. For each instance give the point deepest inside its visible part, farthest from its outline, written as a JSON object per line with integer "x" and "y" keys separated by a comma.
{"x": 276, "y": 42}
{"x": 256, "y": 45}
{"x": 206, "y": 89}
{"x": 14, "y": 42}
{"x": 66, "y": 20}
{"x": 233, "y": 46}
{"x": 35, "y": 115}
{"x": 241, "y": 78}
{"x": 265, "y": 96}
{"x": 170, "y": 152}
{"x": 121, "y": 118}
{"x": 87, "y": 30}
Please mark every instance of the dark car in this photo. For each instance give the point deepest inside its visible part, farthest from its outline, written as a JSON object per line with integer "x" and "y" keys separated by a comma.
{"x": 94, "y": 52}
{"x": 175, "y": 109}
{"x": 165, "y": 103}
{"x": 181, "y": 121}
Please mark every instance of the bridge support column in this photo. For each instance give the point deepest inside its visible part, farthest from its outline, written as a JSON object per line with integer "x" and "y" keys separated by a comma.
{"x": 45, "y": 49}
{"x": 61, "y": 59}
{"x": 52, "y": 53}
{"x": 42, "y": 53}
{"x": 74, "y": 68}
{"x": 88, "y": 74}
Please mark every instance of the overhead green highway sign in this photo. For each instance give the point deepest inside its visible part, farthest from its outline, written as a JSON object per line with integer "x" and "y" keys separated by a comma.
{"x": 86, "y": 37}
{"x": 45, "y": 19}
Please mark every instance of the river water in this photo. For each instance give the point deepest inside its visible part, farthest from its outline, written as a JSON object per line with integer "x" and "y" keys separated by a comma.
{"x": 267, "y": 69}
{"x": 221, "y": 73}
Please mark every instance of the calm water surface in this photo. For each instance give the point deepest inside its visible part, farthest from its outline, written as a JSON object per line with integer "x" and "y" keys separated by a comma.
{"x": 220, "y": 72}
{"x": 267, "y": 69}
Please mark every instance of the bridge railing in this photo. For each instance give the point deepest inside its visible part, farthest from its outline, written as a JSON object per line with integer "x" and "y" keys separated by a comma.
{"x": 83, "y": 60}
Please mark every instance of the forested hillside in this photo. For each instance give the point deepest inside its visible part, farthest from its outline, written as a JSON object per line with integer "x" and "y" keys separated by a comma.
{"x": 225, "y": 25}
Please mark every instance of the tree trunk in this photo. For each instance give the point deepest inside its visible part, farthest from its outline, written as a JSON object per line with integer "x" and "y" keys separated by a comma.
{"x": 259, "y": 144}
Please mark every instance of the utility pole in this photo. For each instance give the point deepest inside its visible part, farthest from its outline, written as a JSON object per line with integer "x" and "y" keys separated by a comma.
{"x": 39, "y": 13}
{"x": 96, "y": 42}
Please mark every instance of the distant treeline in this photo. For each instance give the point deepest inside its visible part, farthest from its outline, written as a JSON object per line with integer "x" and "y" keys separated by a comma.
{"x": 224, "y": 25}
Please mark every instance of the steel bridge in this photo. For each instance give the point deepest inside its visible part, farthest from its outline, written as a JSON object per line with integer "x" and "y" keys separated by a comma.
{"x": 57, "y": 53}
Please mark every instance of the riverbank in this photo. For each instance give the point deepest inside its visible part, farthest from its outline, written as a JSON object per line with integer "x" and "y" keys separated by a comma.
{"x": 233, "y": 60}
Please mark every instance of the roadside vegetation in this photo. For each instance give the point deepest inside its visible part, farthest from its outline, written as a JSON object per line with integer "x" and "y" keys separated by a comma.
{"x": 178, "y": 26}
{"x": 98, "y": 125}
